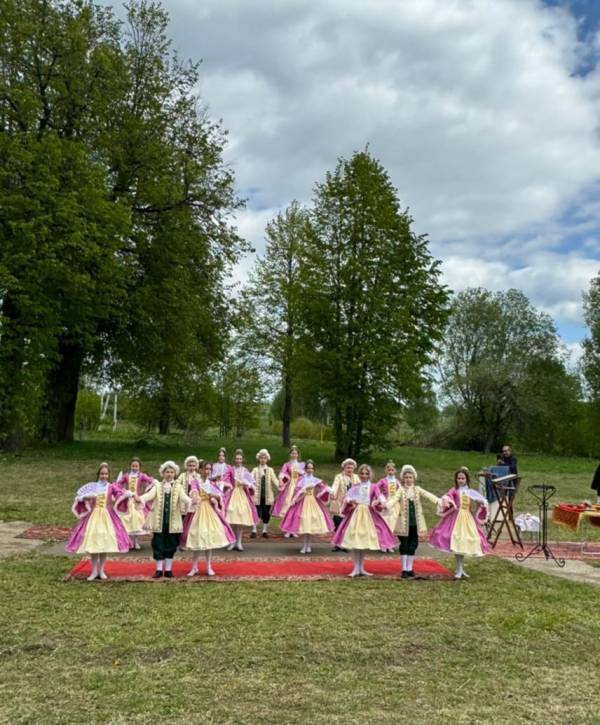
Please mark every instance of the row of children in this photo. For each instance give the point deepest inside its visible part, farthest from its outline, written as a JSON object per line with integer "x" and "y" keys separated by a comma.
{"x": 208, "y": 506}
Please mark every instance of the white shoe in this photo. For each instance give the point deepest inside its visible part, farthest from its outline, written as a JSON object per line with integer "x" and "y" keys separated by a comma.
{"x": 239, "y": 547}
{"x": 137, "y": 546}
{"x": 295, "y": 536}
{"x": 92, "y": 576}
{"x": 354, "y": 573}
{"x": 231, "y": 547}
{"x": 286, "y": 535}
{"x": 308, "y": 550}
{"x": 210, "y": 572}
{"x": 363, "y": 572}
{"x": 102, "y": 575}
{"x": 192, "y": 572}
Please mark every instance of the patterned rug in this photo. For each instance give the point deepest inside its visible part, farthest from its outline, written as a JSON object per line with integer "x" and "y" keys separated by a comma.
{"x": 46, "y": 533}
{"x": 561, "y": 550}
{"x": 282, "y": 569}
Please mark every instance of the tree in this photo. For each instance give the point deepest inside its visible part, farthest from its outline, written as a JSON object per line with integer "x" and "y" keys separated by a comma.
{"x": 270, "y": 305}
{"x": 500, "y": 359}
{"x": 373, "y": 306}
{"x": 114, "y": 188}
{"x": 591, "y": 344}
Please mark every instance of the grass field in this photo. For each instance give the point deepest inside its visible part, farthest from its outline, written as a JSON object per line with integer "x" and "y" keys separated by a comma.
{"x": 508, "y": 646}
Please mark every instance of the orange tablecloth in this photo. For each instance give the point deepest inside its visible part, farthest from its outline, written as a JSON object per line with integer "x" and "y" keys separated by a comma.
{"x": 571, "y": 515}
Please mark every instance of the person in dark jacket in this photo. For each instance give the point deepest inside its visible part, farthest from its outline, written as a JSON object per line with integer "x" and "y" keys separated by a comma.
{"x": 506, "y": 458}
{"x": 596, "y": 483}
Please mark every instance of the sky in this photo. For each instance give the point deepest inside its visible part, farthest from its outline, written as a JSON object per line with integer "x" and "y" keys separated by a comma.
{"x": 485, "y": 113}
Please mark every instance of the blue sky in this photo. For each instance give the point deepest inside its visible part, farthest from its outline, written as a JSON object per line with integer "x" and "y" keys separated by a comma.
{"x": 486, "y": 114}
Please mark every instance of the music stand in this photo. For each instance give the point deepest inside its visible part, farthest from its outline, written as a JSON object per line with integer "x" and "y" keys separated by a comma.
{"x": 542, "y": 493}
{"x": 505, "y": 488}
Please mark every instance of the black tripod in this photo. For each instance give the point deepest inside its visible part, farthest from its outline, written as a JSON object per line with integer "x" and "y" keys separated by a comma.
{"x": 542, "y": 495}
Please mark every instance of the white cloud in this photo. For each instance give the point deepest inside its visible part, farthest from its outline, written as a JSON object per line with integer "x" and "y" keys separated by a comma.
{"x": 472, "y": 105}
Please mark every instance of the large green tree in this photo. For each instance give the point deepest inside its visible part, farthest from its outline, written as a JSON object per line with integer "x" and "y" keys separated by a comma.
{"x": 270, "y": 306}
{"x": 373, "y": 305}
{"x": 591, "y": 344}
{"x": 113, "y": 178}
{"x": 503, "y": 371}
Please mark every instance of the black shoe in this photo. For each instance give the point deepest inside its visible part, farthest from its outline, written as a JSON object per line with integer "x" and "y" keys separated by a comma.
{"x": 157, "y": 575}
{"x": 253, "y": 535}
{"x": 265, "y": 535}
{"x": 410, "y": 574}
{"x": 168, "y": 575}
{"x": 405, "y": 575}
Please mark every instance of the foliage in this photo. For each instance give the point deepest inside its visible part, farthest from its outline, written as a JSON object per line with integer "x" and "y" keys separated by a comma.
{"x": 501, "y": 368}
{"x": 373, "y": 306}
{"x": 591, "y": 344}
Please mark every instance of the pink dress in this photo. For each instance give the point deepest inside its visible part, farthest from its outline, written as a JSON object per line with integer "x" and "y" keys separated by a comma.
{"x": 288, "y": 476}
{"x": 99, "y": 529}
{"x": 240, "y": 508}
{"x": 363, "y": 526}
{"x": 222, "y": 475}
{"x": 459, "y": 531}
{"x": 307, "y": 513}
{"x": 133, "y": 515}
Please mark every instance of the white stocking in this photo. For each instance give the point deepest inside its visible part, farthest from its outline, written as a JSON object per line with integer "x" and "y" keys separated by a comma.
{"x": 409, "y": 562}
{"x": 101, "y": 562}
{"x": 168, "y": 564}
{"x": 194, "y": 569}
{"x": 404, "y": 562}
{"x": 159, "y": 564}
{"x": 238, "y": 534}
{"x": 459, "y": 565}
{"x": 355, "y": 561}
{"x": 208, "y": 556}
{"x": 94, "y": 574}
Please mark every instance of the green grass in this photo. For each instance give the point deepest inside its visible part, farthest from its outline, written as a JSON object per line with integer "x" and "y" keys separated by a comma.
{"x": 509, "y": 645}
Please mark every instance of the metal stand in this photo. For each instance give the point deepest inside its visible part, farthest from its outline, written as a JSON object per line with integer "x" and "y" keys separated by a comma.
{"x": 542, "y": 493}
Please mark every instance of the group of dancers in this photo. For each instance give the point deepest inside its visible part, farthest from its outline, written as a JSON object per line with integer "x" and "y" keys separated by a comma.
{"x": 209, "y": 505}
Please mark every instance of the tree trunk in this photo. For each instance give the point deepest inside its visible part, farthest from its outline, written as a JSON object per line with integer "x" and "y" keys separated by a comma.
{"x": 62, "y": 385}
{"x": 338, "y": 431}
{"x": 287, "y": 410}
{"x": 164, "y": 414}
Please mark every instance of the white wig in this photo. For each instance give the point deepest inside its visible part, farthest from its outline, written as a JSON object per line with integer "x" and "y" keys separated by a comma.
{"x": 263, "y": 452}
{"x": 348, "y": 460}
{"x": 408, "y": 469}
{"x": 191, "y": 459}
{"x": 169, "y": 464}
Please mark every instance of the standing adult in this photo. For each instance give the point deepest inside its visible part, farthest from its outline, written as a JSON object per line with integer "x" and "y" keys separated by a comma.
{"x": 506, "y": 458}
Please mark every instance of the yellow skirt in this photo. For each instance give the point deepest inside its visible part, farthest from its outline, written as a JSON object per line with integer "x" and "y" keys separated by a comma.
{"x": 206, "y": 530}
{"x": 99, "y": 537}
{"x": 391, "y": 516}
{"x": 312, "y": 520}
{"x": 361, "y": 532}
{"x": 465, "y": 537}
{"x": 134, "y": 518}
{"x": 238, "y": 511}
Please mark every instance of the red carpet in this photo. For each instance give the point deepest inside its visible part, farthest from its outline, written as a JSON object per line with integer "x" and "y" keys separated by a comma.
{"x": 274, "y": 569}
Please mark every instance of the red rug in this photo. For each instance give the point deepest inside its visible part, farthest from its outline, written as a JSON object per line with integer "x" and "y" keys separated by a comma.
{"x": 252, "y": 569}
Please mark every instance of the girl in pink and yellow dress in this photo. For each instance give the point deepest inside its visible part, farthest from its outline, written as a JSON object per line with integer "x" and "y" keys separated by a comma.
{"x": 288, "y": 477}
{"x": 363, "y": 528}
{"x": 208, "y": 528}
{"x": 459, "y": 531}
{"x": 240, "y": 510}
{"x": 188, "y": 479}
{"x": 99, "y": 530}
{"x": 133, "y": 515}
{"x": 388, "y": 486}
{"x": 307, "y": 515}
{"x": 222, "y": 472}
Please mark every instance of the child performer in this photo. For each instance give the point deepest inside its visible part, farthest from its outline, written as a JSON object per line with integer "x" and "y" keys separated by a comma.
{"x": 165, "y": 518}
{"x": 189, "y": 478}
{"x": 341, "y": 485}
{"x": 99, "y": 530}
{"x": 208, "y": 528}
{"x": 222, "y": 472}
{"x": 288, "y": 477}
{"x": 388, "y": 486}
{"x": 410, "y": 521}
{"x": 240, "y": 510}
{"x": 363, "y": 527}
{"x": 134, "y": 514}
{"x": 266, "y": 485}
{"x": 459, "y": 530}
{"x": 307, "y": 515}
